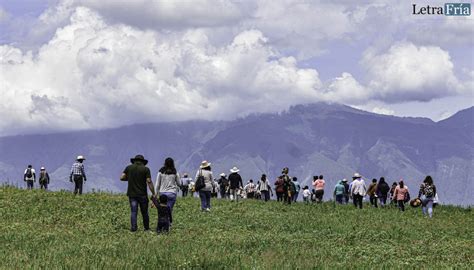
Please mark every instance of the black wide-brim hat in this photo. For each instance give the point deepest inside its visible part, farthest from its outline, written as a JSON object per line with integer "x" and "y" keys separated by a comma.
{"x": 139, "y": 158}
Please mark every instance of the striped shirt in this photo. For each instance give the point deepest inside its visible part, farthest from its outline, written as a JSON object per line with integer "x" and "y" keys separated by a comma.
{"x": 78, "y": 169}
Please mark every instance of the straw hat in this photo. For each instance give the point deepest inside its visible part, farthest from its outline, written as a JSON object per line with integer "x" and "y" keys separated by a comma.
{"x": 234, "y": 170}
{"x": 80, "y": 158}
{"x": 222, "y": 174}
{"x": 356, "y": 175}
{"x": 205, "y": 164}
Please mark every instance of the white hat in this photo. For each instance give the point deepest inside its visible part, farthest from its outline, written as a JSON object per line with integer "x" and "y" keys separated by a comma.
{"x": 222, "y": 174}
{"x": 42, "y": 168}
{"x": 356, "y": 175}
{"x": 80, "y": 158}
{"x": 205, "y": 164}
{"x": 344, "y": 180}
{"x": 234, "y": 170}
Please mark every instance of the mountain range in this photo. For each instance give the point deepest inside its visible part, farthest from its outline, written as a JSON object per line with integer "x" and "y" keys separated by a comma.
{"x": 317, "y": 139}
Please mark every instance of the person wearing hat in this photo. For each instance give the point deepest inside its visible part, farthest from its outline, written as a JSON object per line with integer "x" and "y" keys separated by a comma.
{"x": 29, "y": 177}
{"x": 43, "y": 179}
{"x": 358, "y": 190}
{"x": 185, "y": 184}
{"x": 138, "y": 177}
{"x": 235, "y": 183}
{"x": 288, "y": 186}
{"x": 205, "y": 192}
{"x": 223, "y": 186}
{"x": 78, "y": 174}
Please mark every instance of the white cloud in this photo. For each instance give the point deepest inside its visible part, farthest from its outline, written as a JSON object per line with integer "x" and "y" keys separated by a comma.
{"x": 94, "y": 75}
{"x": 346, "y": 89}
{"x": 409, "y": 72}
{"x": 381, "y": 110}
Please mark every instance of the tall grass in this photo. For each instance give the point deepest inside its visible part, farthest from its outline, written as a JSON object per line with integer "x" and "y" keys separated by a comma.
{"x": 57, "y": 230}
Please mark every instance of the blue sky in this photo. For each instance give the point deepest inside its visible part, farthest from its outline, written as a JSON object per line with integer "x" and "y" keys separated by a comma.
{"x": 100, "y": 64}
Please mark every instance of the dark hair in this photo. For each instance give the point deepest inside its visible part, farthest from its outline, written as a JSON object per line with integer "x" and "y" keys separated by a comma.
{"x": 168, "y": 167}
{"x": 374, "y": 180}
{"x": 295, "y": 179}
{"x": 394, "y": 184}
{"x": 321, "y": 177}
{"x": 428, "y": 180}
{"x": 305, "y": 187}
{"x": 382, "y": 180}
{"x": 264, "y": 177}
{"x": 30, "y": 166}
{"x": 315, "y": 177}
{"x": 251, "y": 181}
{"x": 401, "y": 184}
{"x": 163, "y": 198}
{"x": 208, "y": 168}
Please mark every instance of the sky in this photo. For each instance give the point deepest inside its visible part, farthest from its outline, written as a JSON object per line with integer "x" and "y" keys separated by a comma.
{"x": 84, "y": 64}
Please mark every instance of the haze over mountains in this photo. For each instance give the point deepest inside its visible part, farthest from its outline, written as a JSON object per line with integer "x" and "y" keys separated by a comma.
{"x": 329, "y": 139}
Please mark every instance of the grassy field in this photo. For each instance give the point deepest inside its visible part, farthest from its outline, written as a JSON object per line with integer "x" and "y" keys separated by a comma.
{"x": 57, "y": 230}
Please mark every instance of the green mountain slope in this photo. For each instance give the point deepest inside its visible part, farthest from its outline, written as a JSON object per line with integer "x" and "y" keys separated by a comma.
{"x": 57, "y": 230}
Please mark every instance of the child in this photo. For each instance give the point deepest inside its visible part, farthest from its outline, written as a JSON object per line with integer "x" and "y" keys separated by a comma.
{"x": 313, "y": 195}
{"x": 306, "y": 194}
{"x": 164, "y": 215}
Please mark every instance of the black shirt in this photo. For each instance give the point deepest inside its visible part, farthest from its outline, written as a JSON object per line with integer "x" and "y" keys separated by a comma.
{"x": 164, "y": 213}
{"x": 136, "y": 176}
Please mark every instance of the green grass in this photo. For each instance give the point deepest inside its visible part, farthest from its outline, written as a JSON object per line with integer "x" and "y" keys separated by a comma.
{"x": 57, "y": 230}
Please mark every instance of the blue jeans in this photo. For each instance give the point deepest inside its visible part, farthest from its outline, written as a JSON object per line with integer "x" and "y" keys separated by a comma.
{"x": 29, "y": 184}
{"x": 141, "y": 201}
{"x": 427, "y": 206}
{"x": 295, "y": 196}
{"x": 171, "y": 201}
{"x": 340, "y": 198}
{"x": 205, "y": 199}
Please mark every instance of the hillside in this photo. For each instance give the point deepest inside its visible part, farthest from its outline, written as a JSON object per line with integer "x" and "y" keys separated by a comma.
{"x": 329, "y": 139}
{"x": 57, "y": 230}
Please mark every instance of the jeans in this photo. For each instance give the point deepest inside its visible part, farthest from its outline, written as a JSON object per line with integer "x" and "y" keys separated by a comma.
{"x": 346, "y": 199}
{"x": 171, "y": 201}
{"x": 185, "y": 192}
{"x": 279, "y": 196}
{"x": 265, "y": 195}
{"x": 287, "y": 197}
{"x": 427, "y": 206}
{"x": 383, "y": 200}
{"x": 29, "y": 184}
{"x": 340, "y": 198}
{"x": 358, "y": 200}
{"x": 250, "y": 195}
{"x": 135, "y": 202}
{"x": 205, "y": 199}
{"x": 295, "y": 196}
{"x": 44, "y": 185}
{"x": 78, "y": 182}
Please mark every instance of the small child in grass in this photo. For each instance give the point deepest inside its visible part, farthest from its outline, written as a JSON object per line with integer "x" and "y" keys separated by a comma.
{"x": 164, "y": 215}
{"x": 306, "y": 194}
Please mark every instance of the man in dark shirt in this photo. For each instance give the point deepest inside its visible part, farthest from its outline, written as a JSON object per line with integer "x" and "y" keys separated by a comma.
{"x": 138, "y": 177}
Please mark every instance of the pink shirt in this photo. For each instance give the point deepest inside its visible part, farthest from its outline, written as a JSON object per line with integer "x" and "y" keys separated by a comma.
{"x": 400, "y": 193}
{"x": 319, "y": 184}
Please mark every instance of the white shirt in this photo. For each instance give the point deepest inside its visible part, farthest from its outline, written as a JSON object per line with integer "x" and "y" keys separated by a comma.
{"x": 358, "y": 187}
{"x": 306, "y": 193}
{"x": 32, "y": 173}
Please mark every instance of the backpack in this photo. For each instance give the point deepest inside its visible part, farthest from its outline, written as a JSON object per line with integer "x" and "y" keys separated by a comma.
{"x": 29, "y": 174}
{"x": 200, "y": 184}
{"x": 407, "y": 197}
{"x": 428, "y": 190}
{"x": 279, "y": 186}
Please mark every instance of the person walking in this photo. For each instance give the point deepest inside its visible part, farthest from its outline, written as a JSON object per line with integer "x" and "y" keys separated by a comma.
{"x": 250, "y": 189}
{"x": 29, "y": 176}
{"x": 78, "y": 175}
{"x": 392, "y": 191}
{"x": 185, "y": 184}
{"x": 138, "y": 177}
{"x": 382, "y": 191}
{"x": 318, "y": 183}
{"x": 264, "y": 188}
{"x": 427, "y": 194}
{"x": 279, "y": 189}
{"x": 400, "y": 195}
{"x": 297, "y": 188}
{"x": 235, "y": 183}
{"x": 346, "y": 191}
{"x": 43, "y": 179}
{"x": 306, "y": 194}
{"x": 371, "y": 191}
{"x": 339, "y": 192}
{"x": 288, "y": 187}
{"x": 359, "y": 190}
{"x": 164, "y": 215}
{"x": 205, "y": 192}
{"x": 223, "y": 185}
{"x": 168, "y": 183}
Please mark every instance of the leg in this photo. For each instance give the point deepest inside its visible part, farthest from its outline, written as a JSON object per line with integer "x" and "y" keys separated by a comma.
{"x": 208, "y": 199}
{"x": 202, "y": 196}
{"x": 430, "y": 208}
{"x": 134, "y": 211}
{"x": 144, "y": 211}
{"x": 375, "y": 202}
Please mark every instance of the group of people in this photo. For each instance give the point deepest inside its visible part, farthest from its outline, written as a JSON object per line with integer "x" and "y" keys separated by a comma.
{"x": 168, "y": 183}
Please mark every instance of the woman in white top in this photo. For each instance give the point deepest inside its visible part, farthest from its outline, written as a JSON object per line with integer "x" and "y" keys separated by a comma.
{"x": 168, "y": 183}
{"x": 205, "y": 192}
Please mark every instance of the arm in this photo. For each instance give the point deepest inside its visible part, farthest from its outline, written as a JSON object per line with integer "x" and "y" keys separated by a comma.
{"x": 72, "y": 171}
{"x": 47, "y": 178}
{"x": 158, "y": 182}
{"x": 34, "y": 177}
{"x": 150, "y": 186}
{"x": 123, "y": 177}
{"x": 83, "y": 173}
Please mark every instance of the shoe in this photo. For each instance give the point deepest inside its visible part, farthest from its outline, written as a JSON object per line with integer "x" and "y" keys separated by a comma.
{"x": 208, "y": 210}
